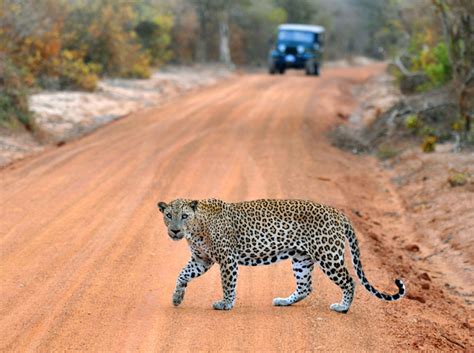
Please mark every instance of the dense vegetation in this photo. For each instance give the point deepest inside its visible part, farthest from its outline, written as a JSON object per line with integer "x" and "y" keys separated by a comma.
{"x": 69, "y": 44}
{"x": 60, "y": 44}
{"x": 439, "y": 51}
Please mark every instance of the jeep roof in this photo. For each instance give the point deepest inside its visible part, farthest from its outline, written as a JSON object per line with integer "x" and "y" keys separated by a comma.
{"x": 298, "y": 27}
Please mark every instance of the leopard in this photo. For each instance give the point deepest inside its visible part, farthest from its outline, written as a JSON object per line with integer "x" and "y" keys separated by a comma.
{"x": 264, "y": 232}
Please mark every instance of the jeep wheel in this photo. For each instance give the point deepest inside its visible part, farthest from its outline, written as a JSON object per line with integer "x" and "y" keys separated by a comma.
{"x": 316, "y": 70}
{"x": 309, "y": 68}
{"x": 281, "y": 71}
{"x": 271, "y": 68}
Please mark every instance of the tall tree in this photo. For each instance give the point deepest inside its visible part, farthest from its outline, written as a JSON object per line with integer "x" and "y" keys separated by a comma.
{"x": 457, "y": 17}
{"x": 301, "y": 11}
{"x": 203, "y": 8}
{"x": 224, "y": 40}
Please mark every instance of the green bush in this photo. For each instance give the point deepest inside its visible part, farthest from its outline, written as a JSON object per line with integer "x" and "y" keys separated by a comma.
{"x": 13, "y": 97}
{"x": 427, "y": 131}
{"x": 412, "y": 122}
{"x": 154, "y": 37}
{"x": 74, "y": 73}
{"x": 434, "y": 62}
{"x": 458, "y": 125}
{"x": 427, "y": 53}
{"x": 438, "y": 68}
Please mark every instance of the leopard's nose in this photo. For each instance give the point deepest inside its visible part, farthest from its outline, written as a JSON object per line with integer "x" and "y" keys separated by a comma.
{"x": 175, "y": 231}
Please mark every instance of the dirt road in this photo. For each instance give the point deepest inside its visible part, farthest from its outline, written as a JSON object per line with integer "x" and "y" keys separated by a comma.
{"x": 86, "y": 264}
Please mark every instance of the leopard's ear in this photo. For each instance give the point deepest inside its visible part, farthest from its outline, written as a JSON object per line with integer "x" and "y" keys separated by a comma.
{"x": 194, "y": 204}
{"x": 162, "y": 206}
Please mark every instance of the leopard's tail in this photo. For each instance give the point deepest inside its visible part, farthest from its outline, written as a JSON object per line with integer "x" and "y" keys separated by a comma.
{"x": 355, "y": 252}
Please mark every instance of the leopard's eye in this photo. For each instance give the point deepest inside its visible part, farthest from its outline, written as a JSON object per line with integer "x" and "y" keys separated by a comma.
{"x": 184, "y": 216}
{"x": 169, "y": 215}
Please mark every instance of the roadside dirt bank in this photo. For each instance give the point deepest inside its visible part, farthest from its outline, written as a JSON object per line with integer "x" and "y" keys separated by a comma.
{"x": 61, "y": 116}
{"x": 435, "y": 190}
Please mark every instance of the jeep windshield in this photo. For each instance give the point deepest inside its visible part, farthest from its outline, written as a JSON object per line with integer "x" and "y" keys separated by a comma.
{"x": 296, "y": 36}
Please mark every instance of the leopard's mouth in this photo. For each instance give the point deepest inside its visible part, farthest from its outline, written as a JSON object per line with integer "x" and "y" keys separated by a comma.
{"x": 176, "y": 236}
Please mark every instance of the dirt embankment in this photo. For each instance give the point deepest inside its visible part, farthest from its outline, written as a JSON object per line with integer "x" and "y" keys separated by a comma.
{"x": 437, "y": 188}
{"x": 65, "y": 115}
{"x": 87, "y": 266}
{"x": 436, "y": 192}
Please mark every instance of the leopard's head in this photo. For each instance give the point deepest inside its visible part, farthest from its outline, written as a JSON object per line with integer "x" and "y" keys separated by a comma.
{"x": 177, "y": 215}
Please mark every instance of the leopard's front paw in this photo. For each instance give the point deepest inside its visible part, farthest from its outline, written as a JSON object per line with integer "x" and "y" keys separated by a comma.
{"x": 178, "y": 297}
{"x": 222, "y": 305}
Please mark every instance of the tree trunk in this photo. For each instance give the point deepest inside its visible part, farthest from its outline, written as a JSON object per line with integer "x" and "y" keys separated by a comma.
{"x": 201, "y": 45}
{"x": 467, "y": 91}
{"x": 224, "y": 49}
{"x": 466, "y": 101}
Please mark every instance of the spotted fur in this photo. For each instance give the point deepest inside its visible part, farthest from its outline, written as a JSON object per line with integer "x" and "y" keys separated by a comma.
{"x": 263, "y": 232}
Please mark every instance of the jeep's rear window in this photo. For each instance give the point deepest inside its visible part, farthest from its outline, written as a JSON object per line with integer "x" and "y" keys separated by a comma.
{"x": 296, "y": 36}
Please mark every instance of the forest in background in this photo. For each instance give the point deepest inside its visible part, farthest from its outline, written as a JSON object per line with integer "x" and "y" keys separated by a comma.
{"x": 70, "y": 44}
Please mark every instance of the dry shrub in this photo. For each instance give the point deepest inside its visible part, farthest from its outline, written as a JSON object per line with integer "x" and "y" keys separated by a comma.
{"x": 458, "y": 179}
{"x": 429, "y": 144}
{"x": 74, "y": 73}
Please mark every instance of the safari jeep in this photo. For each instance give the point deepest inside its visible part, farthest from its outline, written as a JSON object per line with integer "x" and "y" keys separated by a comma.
{"x": 297, "y": 47}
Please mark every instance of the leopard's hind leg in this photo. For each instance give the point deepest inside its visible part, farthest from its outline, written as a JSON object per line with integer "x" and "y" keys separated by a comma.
{"x": 302, "y": 270}
{"x": 338, "y": 273}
